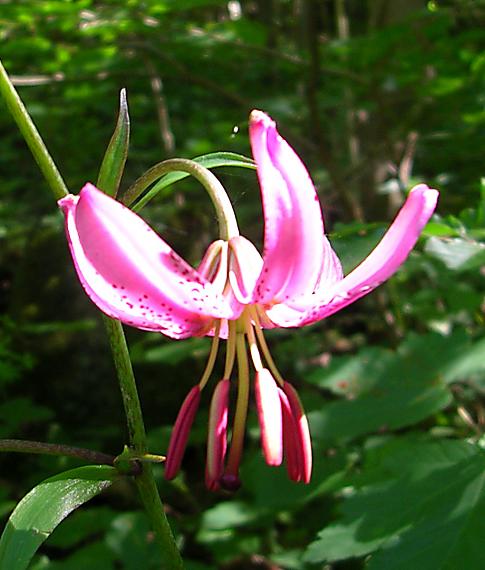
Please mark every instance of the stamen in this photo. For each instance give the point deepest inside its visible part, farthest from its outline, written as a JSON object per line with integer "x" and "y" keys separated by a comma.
{"x": 253, "y": 347}
{"x": 302, "y": 433}
{"x": 180, "y": 432}
{"x": 291, "y": 442}
{"x": 230, "y": 349}
{"x": 264, "y": 346}
{"x": 212, "y": 356}
{"x": 230, "y": 479}
{"x": 217, "y": 435}
{"x": 269, "y": 415}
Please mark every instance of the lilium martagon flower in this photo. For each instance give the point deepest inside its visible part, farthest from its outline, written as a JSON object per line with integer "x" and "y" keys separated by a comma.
{"x": 133, "y": 275}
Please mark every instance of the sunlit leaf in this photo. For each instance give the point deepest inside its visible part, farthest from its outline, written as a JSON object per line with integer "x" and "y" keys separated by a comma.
{"x": 457, "y": 254}
{"x": 421, "y": 502}
{"x": 213, "y": 160}
{"x": 48, "y": 504}
{"x": 113, "y": 164}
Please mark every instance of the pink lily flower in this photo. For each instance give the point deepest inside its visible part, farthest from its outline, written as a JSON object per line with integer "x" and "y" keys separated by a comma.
{"x": 133, "y": 275}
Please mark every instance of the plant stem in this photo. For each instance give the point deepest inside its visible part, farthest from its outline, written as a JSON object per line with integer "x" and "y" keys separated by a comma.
{"x": 24, "y": 446}
{"x": 171, "y": 559}
{"x": 144, "y": 481}
{"x": 126, "y": 379}
{"x": 225, "y": 214}
{"x": 31, "y": 136}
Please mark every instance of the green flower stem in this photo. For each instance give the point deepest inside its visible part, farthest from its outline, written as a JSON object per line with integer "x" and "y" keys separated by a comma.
{"x": 126, "y": 379}
{"x": 145, "y": 482}
{"x": 136, "y": 429}
{"x": 31, "y": 135}
{"x": 39, "y": 447}
{"x": 222, "y": 204}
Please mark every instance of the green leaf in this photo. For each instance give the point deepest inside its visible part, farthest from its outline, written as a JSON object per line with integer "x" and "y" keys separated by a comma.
{"x": 273, "y": 491}
{"x": 113, "y": 164}
{"x": 131, "y": 539}
{"x": 48, "y": 504}
{"x": 446, "y": 526}
{"x": 387, "y": 390}
{"x": 229, "y": 514}
{"x": 212, "y": 160}
{"x": 388, "y": 406}
{"x": 170, "y": 352}
{"x": 457, "y": 254}
{"x": 420, "y": 501}
{"x": 354, "y": 243}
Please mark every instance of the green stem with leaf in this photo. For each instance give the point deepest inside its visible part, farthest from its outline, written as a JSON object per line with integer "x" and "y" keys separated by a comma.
{"x": 145, "y": 482}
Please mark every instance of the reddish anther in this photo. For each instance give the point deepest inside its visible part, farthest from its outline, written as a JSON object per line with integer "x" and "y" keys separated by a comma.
{"x": 301, "y": 433}
{"x": 217, "y": 435}
{"x": 180, "y": 432}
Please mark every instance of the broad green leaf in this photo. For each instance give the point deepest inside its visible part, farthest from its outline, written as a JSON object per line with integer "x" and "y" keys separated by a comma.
{"x": 272, "y": 490}
{"x": 130, "y": 538}
{"x": 81, "y": 527}
{"x": 387, "y": 389}
{"x": 420, "y": 501}
{"x": 229, "y": 514}
{"x": 93, "y": 555}
{"x": 354, "y": 243}
{"x": 388, "y": 406}
{"x": 170, "y": 352}
{"x": 113, "y": 164}
{"x": 439, "y": 229}
{"x": 213, "y": 160}
{"x": 457, "y": 254}
{"x": 48, "y": 504}
{"x": 446, "y": 526}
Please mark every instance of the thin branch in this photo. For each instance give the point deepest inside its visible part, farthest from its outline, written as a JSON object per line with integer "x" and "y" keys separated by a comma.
{"x": 38, "y": 447}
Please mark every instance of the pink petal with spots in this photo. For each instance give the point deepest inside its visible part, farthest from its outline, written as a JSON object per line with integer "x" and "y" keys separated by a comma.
{"x": 379, "y": 265}
{"x": 294, "y": 241}
{"x": 131, "y": 274}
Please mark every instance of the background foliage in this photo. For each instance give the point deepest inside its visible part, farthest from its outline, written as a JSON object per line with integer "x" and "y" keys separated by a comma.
{"x": 375, "y": 96}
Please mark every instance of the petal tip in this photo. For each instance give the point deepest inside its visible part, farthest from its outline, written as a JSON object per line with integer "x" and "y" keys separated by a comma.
{"x": 430, "y": 195}
{"x": 261, "y": 118}
{"x": 67, "y": 202}
{"x": 427, "y": 197}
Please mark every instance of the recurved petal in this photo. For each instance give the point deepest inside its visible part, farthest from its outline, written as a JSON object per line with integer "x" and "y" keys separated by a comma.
{"x": 131, "y": 274}
{"x": 379, "y": 265}
{"x": 270, "y": 417}
{"x": 293, "y": 232}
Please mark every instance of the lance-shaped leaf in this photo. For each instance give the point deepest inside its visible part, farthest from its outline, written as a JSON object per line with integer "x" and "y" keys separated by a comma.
{"x": 212, "y": 160}
{"x": 48, "y": 504}
{"x": 113, "y": 164}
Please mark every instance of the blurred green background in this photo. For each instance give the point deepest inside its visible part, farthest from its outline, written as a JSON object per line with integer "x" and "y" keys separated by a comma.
{"x": 375, "y": 96}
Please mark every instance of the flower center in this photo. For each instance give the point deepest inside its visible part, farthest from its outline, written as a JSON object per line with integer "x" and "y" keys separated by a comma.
{"x": 233, "y": 267}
